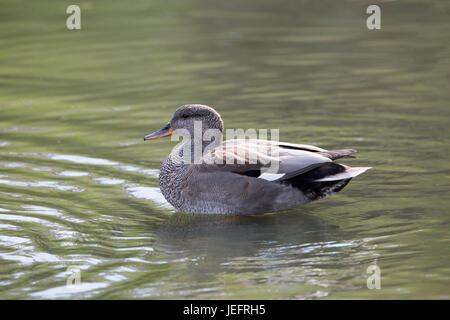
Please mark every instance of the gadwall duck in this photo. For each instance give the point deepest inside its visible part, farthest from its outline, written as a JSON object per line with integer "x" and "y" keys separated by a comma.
{"x": 204, "y": 174}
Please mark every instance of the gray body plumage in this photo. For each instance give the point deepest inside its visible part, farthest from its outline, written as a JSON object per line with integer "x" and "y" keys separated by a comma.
{"x": 191, "y": 188}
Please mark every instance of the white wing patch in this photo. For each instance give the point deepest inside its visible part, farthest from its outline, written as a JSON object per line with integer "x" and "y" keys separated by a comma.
{"x": 271, "y": 176}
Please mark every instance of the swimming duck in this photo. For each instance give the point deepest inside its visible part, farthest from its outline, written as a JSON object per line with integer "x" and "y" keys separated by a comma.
{"x": 204, "y": 174}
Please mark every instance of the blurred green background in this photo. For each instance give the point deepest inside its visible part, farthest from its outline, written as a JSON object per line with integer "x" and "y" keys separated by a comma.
{"x": 78, "y": 187}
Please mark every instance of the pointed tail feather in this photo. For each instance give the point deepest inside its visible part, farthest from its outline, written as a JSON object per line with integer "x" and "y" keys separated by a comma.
{"x": 347, "y": 174}
{"x": 336, "y": 154}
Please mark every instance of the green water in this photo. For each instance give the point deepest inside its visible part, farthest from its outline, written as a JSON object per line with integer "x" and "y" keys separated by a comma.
{"x": 78, "y": 186}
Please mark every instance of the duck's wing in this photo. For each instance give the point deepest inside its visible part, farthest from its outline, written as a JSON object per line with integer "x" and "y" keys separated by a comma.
{"x": 269, "y": 160}
{"x": 331, "y": 154}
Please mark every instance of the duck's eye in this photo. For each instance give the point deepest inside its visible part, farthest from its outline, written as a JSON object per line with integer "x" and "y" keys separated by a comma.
{"x": 185, "y": 116}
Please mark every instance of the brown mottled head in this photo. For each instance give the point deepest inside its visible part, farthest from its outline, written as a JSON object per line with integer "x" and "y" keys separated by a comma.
{"x": 186, "y": 116}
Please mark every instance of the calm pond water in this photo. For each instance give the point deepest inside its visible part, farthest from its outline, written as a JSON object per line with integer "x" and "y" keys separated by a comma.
{"x": 79, "y": 189}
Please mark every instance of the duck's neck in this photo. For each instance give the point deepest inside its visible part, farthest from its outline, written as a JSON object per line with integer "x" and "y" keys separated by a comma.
{"x": 191, "y": 151}
{"x": 176, "y": 169}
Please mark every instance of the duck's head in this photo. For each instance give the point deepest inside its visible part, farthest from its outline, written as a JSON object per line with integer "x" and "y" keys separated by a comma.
{"x": 187, "y": 118}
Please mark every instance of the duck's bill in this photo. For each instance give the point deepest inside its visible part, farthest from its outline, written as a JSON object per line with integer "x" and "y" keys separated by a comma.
{"x": 163, "y": 132}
